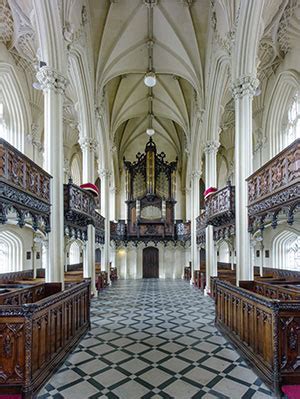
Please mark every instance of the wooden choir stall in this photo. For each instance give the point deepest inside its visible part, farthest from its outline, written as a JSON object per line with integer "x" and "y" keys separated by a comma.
{"x": 39, "y": 322}
{"x": 262, "y": 317}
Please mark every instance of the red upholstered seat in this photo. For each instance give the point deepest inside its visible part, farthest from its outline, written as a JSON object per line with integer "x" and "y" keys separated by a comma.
{"x": 291, "y": 391}
{"x": 90, "y": 187}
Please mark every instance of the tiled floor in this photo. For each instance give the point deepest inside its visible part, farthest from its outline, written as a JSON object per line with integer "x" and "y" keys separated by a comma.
{"x": 154, "y": 339}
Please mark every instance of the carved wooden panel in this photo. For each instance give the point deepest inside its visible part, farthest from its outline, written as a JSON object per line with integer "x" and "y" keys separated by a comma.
{"x": 25, "y": 187}
{"x": 36, "y": 338}
{"x": 266, "y": 331}
{"x": 275, "y": 186}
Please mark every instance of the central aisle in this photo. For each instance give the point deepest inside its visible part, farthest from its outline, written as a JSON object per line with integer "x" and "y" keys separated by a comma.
{"x": 154, "y": 339}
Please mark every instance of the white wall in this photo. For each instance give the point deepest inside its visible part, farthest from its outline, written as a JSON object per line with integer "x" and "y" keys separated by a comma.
{"x": 172, "y": 260}
{"x": 26, "y": 235}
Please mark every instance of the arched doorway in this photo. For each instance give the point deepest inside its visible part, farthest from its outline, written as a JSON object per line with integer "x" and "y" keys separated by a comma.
{"x": 150, "y": 263}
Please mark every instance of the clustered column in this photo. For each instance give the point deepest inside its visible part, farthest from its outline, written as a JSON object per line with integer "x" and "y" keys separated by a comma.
{"x": 105, "y": 210}
{"x": 54, "y": 84}
{"x": 211, "y": 150}
{"x": 195, "y": 213}
{"x": 243, "y": 90}
{"x": 88, "y": 147}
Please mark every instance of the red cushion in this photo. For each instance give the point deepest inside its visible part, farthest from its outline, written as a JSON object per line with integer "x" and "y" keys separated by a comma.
{"x": 11, "y": 396}
{"x": 90, "y": 187}
{"x": 209, "y": 191}
{"x": 291, "y": 391}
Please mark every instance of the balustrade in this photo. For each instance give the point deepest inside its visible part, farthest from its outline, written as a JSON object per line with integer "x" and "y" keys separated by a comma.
{"x": 200, "y": 228}
{"x": 36, "y": 337}
{"x": 220, "y": 208}
{"x": 275, "y": 187}
{"x": 264, "y": 330}
{"x": 25, "y": 187}
{"x": 80, "y": 210}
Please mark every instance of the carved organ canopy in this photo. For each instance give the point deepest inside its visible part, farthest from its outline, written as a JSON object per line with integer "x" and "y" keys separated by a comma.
{"x": 150, "y": 175}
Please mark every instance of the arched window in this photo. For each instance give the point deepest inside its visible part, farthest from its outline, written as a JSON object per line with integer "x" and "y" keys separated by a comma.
{"x": 74, "y": 253}
{"x": 3, "y": 127}
{"x": 286, "y": 251}
{"x": 293, "y": 254}
{"x": 11, "y": 252}
{"x": 76, "y": 170}
{"x": 292, "y": 129}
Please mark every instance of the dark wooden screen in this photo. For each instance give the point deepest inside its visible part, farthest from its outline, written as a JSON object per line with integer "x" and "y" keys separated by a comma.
{"x": 150, "y": 263}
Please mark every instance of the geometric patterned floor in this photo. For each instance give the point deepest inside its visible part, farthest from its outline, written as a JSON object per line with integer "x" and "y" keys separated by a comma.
{"x": 154, "y": 339}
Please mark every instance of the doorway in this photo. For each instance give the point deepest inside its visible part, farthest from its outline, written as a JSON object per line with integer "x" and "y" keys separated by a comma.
{"x": 150, "y": 263}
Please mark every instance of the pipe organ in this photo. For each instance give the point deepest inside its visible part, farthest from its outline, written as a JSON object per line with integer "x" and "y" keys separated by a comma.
{"x": 151, "y": 190}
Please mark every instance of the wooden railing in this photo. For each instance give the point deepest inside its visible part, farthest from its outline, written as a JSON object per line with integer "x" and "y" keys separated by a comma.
{"x": 99, "y": 227}
{"x": 265, "y": 331}
{"x": 118, "y": 231}
{"x": 23, "y": 185}
{"x": 276, "y": 185}
{"x": 80, "y": 210}
{"x": 220, "y": 207}
{"x": 181, "y": 231}
{"x": 200, "y": 228}
{"x": 79, "y": 205}
{"x": 285, "y": 290}
{"x": 36, "y": 338}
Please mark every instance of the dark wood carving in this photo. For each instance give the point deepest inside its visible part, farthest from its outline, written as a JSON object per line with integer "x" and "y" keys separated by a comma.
{"x": 220, "y": 207}
{"x": 265, "y": 331}
{"x": 275, "y": 187}
{"x": 200, "y": 228}
{"x": 24, "y": 187}
{"x": 79, "y": 211}
{"x": 35, "y": 338}
{"x": 151, "y": 188}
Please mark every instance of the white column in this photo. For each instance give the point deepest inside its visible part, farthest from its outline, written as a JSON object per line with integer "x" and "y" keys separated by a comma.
{"x": 105, "y": 206}
{"x": 211, "y": 150}
{"x": 243, "y": 90}
{"x": 261, "y": 266}
{"x": 54, "y": 84}
{"x": 232, "y": 257}
{"x": 195, "y": 210}
{"x": 88, "y": 147}
{"x": 67, "y": 254}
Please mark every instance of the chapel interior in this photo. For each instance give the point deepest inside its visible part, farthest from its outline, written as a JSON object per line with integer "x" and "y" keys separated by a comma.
{"x": 149, "y": 199}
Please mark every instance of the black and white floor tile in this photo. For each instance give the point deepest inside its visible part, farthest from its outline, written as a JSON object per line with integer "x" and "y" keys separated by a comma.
{"x": 154, "y": 339}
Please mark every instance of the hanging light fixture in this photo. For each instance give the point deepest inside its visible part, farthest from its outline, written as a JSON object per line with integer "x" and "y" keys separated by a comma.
{"x": 150, "y": 77}
{"x": 150, "y": 131}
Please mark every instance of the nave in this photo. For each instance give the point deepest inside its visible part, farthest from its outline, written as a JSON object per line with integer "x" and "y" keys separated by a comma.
{"x": 154, "y": 338}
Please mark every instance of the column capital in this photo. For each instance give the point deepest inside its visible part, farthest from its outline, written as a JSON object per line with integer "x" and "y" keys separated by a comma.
{"x": 88, "y": 143}
{"x": 104, "y": 173}
{"x": 244, "y": 85}
{"x": 50, "y": 79}
{"x": 211, "y": 147}
{"x": 196, "y": 174}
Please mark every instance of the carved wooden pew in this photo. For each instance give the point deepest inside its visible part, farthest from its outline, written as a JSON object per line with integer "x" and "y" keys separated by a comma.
{"x": 187, "y": 273}
{"x": 102, "y": 280}
{"x": 113, "y": 274}
{"x": 265, "y": 331}
{"x": 36, "y": 337}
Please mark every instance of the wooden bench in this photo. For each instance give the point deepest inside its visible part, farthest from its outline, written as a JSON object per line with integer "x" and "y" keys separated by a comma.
{"x": 38, "y": 331}
{"x": 113, "y": 274}
{"x": 187, "y": 273}
{"x": 101, "y": 281}
{"x": 265, "y": 331}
